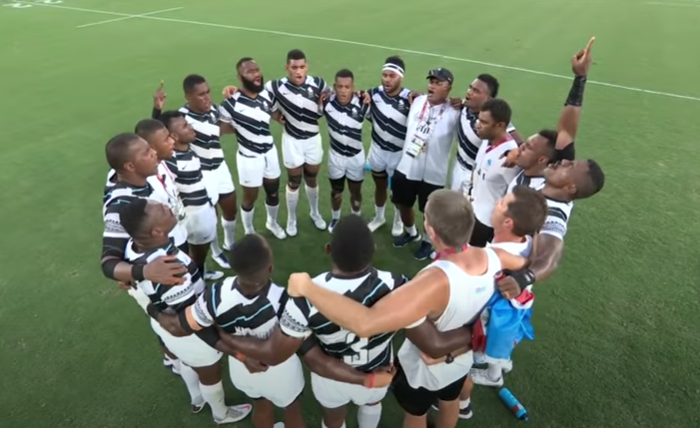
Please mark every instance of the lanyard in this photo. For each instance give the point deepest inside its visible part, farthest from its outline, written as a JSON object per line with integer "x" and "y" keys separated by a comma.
{"x": 425, "y": 108}
{"x": 450, "y": 251}
{"x": 172, "y": 195}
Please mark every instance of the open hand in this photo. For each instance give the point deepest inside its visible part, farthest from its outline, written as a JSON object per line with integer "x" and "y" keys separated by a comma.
{"x": 166, "y": 270}
{"x": 255, "y": 366}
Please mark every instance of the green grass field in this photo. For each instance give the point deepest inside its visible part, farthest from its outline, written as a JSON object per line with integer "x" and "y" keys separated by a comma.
{"x": 617, "y": 342}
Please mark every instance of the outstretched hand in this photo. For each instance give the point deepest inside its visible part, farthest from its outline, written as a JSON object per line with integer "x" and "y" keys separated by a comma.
{"x": 581, "y": 62}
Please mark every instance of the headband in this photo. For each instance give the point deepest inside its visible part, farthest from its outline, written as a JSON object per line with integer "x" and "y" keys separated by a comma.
{"x": 393, "y": 67}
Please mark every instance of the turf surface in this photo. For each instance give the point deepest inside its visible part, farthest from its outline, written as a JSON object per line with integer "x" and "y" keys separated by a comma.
{"x": 617, "y": 342}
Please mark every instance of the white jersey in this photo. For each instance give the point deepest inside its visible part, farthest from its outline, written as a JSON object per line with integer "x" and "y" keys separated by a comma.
{"x": 345, "y": 125}
{"x": 225, "y": 305}
{"x": 558, "y": 213}
{"x": 490, "y": 178}
{"x": 535, "y": 182}
{"x": 522, "y": 249}
{"x": 250, "y": 117}
{"x": 468, "y": 298}
{"x": 207, "y": 145}
{"x": 300, "y": 319}
{"x": 299, "y": 105}
{"x": 431, "y": 164}
{"x": 388, "y": 116}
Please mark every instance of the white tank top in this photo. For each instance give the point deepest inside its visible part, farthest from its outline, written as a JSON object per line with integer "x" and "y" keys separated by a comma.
{"x": 468, "y": 297}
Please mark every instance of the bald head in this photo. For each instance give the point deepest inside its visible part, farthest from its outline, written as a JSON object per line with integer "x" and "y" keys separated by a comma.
{"x": 451, "y": 217}
{"x": 119, "y": 149}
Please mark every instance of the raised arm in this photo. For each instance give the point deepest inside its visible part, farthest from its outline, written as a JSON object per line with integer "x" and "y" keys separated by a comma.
{"x": 408, "y": 305}
{"x": 571, "y": 114}
{"x": 436, "y": 344}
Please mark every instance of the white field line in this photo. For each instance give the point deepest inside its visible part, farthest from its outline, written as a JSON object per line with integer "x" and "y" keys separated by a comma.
{"x": 124, "y": 18}
{"x": 655, "y": 3}
{"x": 369, "y": 45}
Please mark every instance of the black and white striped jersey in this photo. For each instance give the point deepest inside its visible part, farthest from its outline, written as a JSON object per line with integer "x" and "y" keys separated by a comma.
{"x": 345, "y": 125}
{"x": 389, "y": 116}
{"x": 299, "y": 105}
{"x": 469, "y": 141}
{"x": 300, "y": 319}
{"x": 186, "y": 168}
{"x": 207, "y": 145}
{"x": 163, "y": 297}
{"x": 116, "y": 195}
{"x": 225, "y": 305}
{"x": 250, "y": 117}
{"x": 557, "y": 221}
{"x": 536, "y": 182}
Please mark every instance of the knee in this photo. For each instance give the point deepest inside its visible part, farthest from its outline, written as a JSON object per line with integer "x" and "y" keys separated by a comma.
{"x": 337, "y": 187}
{"x": 272, "y": 192}
{"x": 294, "y": 182}
{"x": 310, "y": 176}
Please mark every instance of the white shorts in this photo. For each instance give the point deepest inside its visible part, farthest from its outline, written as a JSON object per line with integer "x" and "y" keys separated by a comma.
{"x": 252, "y": 169}
{"x": 200, "y": 224}
{"x": 460, "y": 177}
{"x": 339, "y": 166}
{"x": 382, "y": 160}
{"x": 192, "y": 350}
{"x": 281, "y": 384}
{"x": 296, "y": 153}
{"x": 332, "y": 394}
{"x": 141, "y": 298}
{"x": 220, "y": 182}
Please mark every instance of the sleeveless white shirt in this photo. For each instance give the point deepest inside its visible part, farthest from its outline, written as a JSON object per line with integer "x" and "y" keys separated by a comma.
{"x": 468, "y": 297}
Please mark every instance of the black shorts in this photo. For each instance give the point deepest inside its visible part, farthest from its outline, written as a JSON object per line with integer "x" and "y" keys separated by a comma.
{"x": 404, "y": 192}
{"x": 481, "y": 235}
{"x": 417, "y": 402}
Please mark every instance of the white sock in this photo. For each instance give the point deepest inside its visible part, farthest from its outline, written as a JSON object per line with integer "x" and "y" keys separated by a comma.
{"x": 312, "y": 194}
{"x": 463, "y": 404}
{"x": 379, "y": 211}
{"x": 358, "y": 213}
{"x": 494, "y": 372}
{"x": 214, "y": 396}
{"x": 214, "y": 246}
{"x": 272, "y": 213}
{"x": 411, "y": 230}
{"x": 336, "y": 214}
{"x": 369, "y": 416}
{"x": 229, "y": 232}
{"x": 292, "y": 201}
{"x": 248, "y": 220}
{"x": 323, "y": 425}
{"x": 192, "y": 383}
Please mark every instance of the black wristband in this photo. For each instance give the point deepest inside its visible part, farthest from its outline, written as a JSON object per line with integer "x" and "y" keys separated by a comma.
{"x": 108, "y": 267}
{"x": 155, "y": 114}
{"x": 137, "y": 272}
{"x": 182, "y": 316}
{"x": 575, "y": 97}
{"x": 524, "y": 278}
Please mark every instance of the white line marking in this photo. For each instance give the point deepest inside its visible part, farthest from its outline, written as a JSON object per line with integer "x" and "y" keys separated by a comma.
{"x": 370, "y": 45}
{"x": 672, "y": 4}
{"x": 124, "y": 18}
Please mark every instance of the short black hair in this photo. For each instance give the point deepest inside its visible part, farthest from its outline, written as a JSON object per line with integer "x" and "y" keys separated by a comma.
{"x": 251, "y": 257}
{"x": 191, "y": 81}
{"x": 396, "y": 60}
{"x": 596, "y": 181}
{"x": 499, "y": 109}
{"x": 147, "y": 127}
{"x": 491, "y": 82}
{"x": 352, "y": 245}
{"x": 243, "y": 61}
{"x": 118, "y": 149}
{"x": 344, "y": 73}
{"x": 132, "y": 217}
{"x": 551, "y": 137}
{"x": 167, "y": 117}
{"x": 295, "y": 55}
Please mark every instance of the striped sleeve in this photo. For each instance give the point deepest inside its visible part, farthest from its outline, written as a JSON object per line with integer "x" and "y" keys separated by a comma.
{"x": 114, "y": 237}
{"x": 204, "y": 309}
{"x": 294, "y": 321}
{"x": 556, "y": 223}
{"x": 226, "y": 110}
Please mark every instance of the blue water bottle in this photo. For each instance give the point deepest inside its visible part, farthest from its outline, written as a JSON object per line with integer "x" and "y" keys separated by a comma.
{"x": 513, "y": 404}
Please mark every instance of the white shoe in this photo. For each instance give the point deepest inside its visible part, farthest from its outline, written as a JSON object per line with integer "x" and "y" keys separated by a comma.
{"x": 222, "y": 260}
{"x": 333, "y": 224}
{"x": 292, "y": 228}
{"x": 319, "y": 222}
{"x": 507, "y": 366}
{"x": 276, "y": 230}
{"x": 278, "y": 425}
{"x": 480, "y": 377}
{"x": 196, "y": 408}
{"x": 249, "y": 231}
{"x": 479, "y": 358}
{"x": 376, "y": 223}
{"x": 397, "y": 227}
{"x": 213, "y": 275}
{"x": 235, "y": 414}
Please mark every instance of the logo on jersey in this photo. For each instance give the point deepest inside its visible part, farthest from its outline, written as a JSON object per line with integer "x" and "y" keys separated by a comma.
{"x": 113, "y": 226}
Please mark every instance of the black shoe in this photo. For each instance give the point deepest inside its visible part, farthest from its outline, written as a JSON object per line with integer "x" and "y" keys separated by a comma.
{"x": 406, "y": 239}
{"x": 423, "y": 252}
